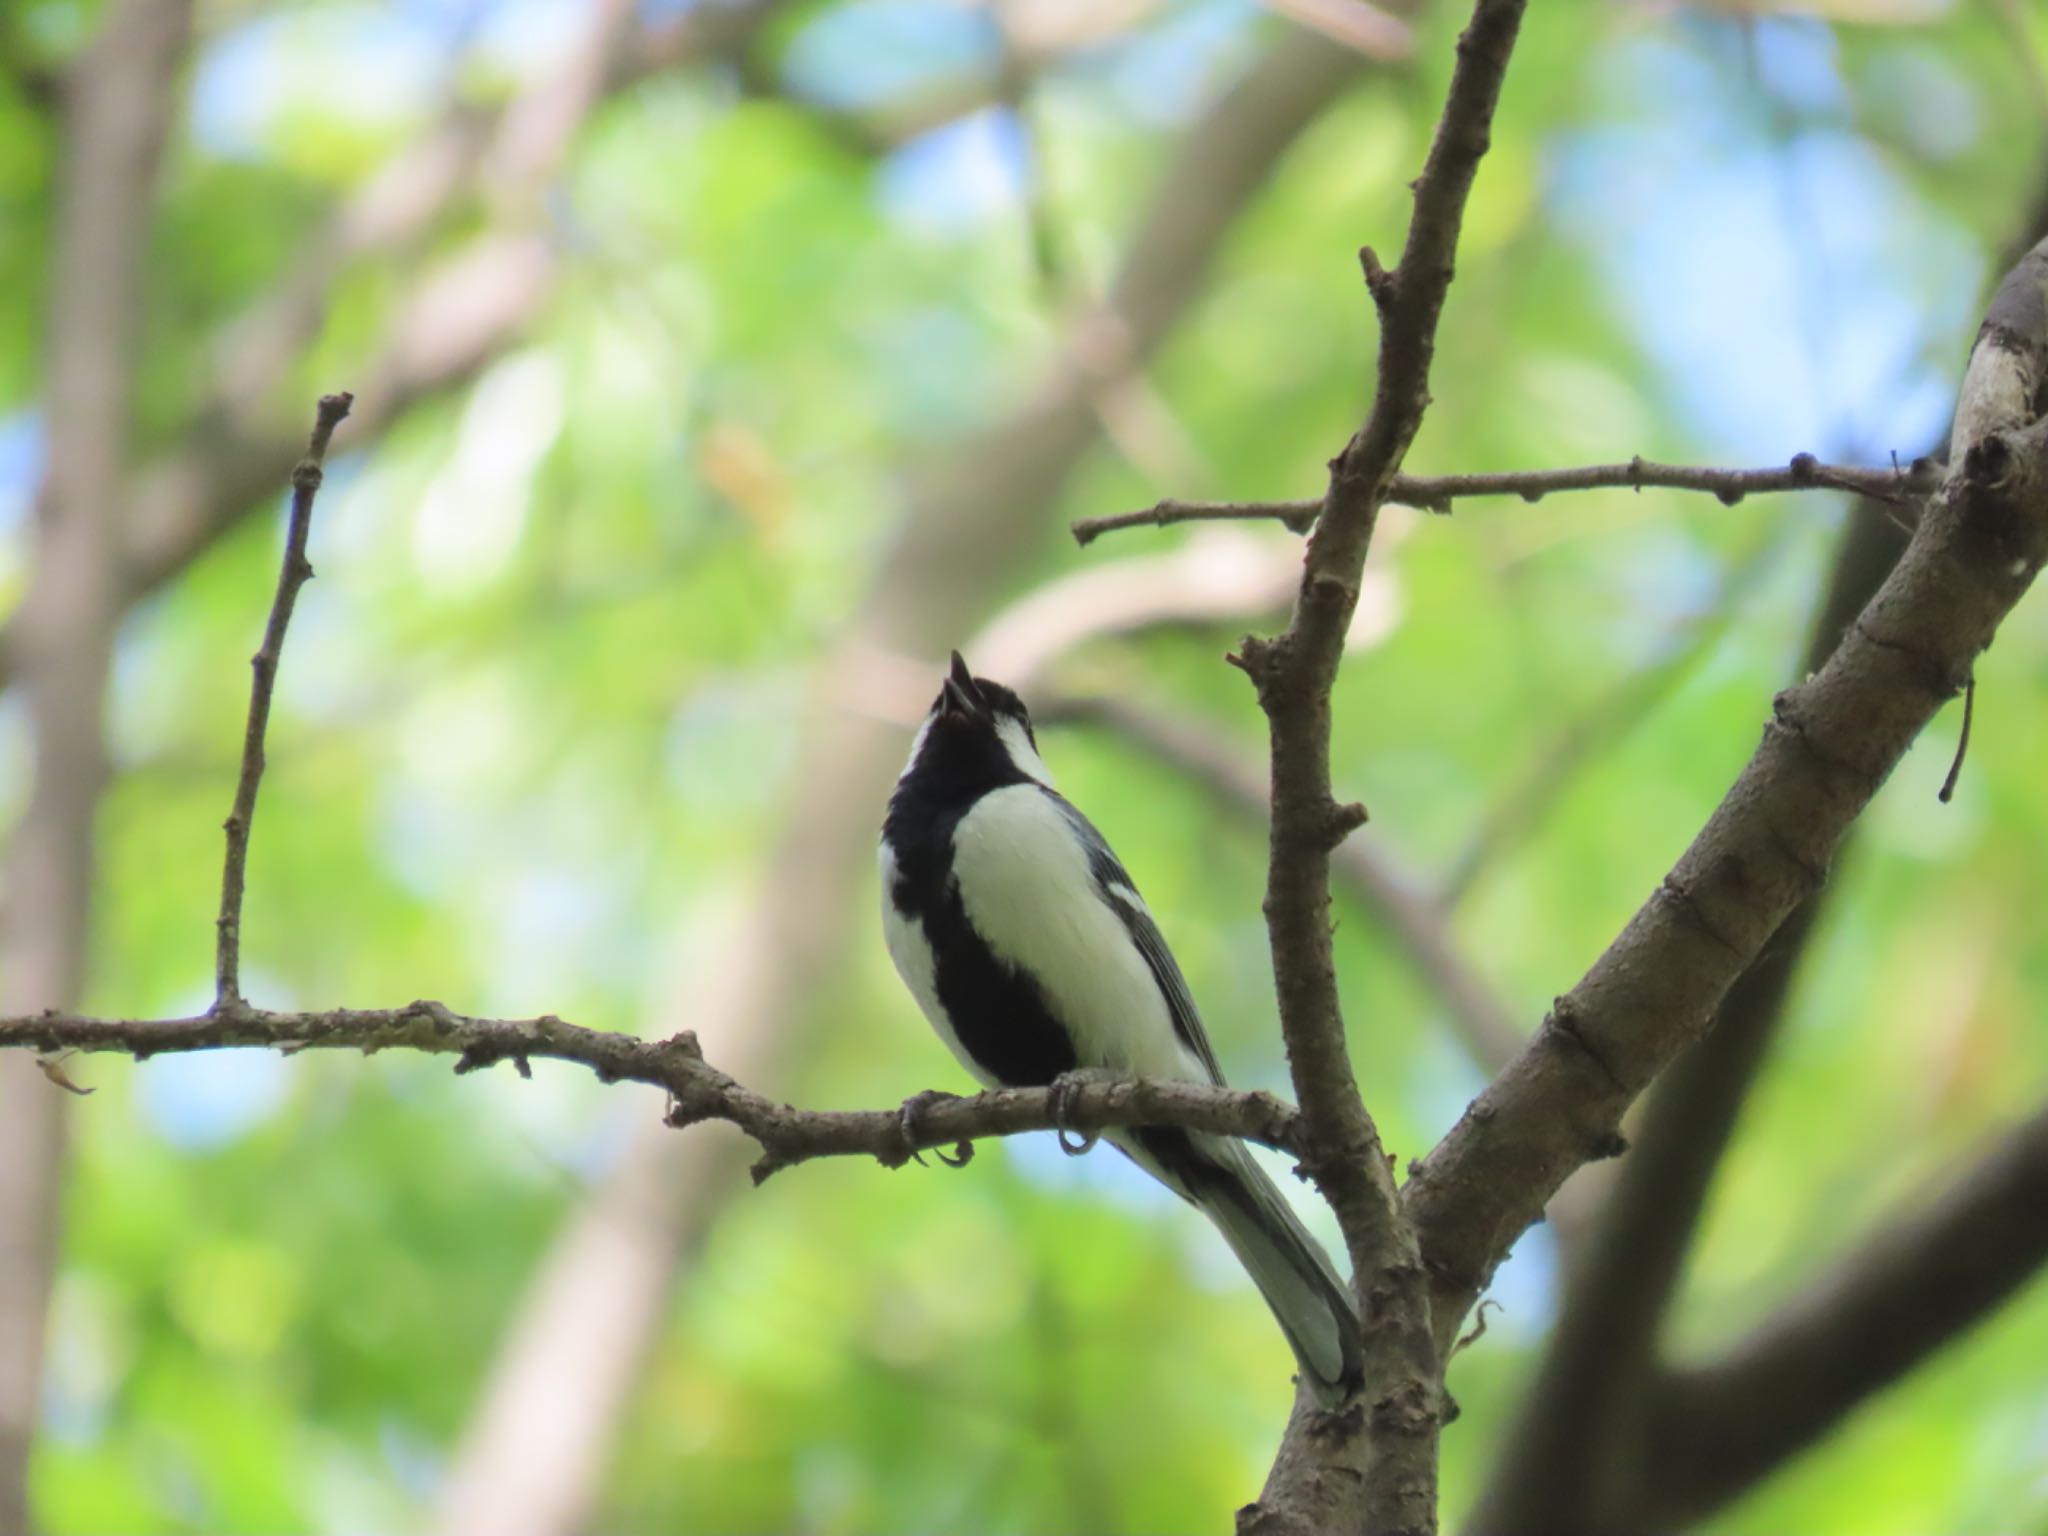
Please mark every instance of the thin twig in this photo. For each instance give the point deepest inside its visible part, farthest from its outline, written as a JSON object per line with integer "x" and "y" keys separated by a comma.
{"x": 1955, "y": 769}
{"x": 1438, "y": 493}
{"x": 698, "y": 1091}
{"x": 293, "y": 574}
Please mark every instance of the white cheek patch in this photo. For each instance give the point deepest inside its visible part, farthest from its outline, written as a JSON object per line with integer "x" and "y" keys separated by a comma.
{"x": 1017, "y": 742}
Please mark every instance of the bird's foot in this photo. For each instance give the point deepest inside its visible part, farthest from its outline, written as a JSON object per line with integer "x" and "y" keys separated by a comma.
{"x": 907, "y": 1120}
{"x": 1061, "y": 1093}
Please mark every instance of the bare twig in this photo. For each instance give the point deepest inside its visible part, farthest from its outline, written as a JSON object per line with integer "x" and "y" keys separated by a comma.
{"x": 1955, "y": 768}
{"x": 293, "y": 573}
{"x": 1438, "y": 493}
{"x": 1297, "y": 516}
{"x": 698, "y": 1090}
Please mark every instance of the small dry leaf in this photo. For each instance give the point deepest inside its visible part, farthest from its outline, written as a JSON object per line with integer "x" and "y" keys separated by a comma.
{"x": 52, "y": 1067}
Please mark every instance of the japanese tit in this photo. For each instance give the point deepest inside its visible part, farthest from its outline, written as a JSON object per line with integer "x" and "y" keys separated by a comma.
{"x": 1030, "y": 951}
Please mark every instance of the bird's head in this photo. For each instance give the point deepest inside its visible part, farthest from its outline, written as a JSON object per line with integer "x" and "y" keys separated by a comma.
{"x": 977, "y": 728}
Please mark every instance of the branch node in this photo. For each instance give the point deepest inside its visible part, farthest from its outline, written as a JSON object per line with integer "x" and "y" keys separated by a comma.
{"x": 438, "y": 1016}
{"x": 1609, "y": 1144}
{"x": 1384, "y": 286}
{"x": 1562, "y": 1023}
{"x": 1683, "y": 898}
{"x": 1988, "y": 461}
{"x": 1345, "y": 820}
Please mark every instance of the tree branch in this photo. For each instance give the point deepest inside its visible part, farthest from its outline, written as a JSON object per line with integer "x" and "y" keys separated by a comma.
{"x": 293, "y": 574}
{"x": 698, "y": 1090}
{"x": 1293, "y": 675}
{"x": 1438, "y": 493}
{"x": 1578, "y": 1440}
{"x": 1914, "y": 1286}
{"x": 1831, "y": 742}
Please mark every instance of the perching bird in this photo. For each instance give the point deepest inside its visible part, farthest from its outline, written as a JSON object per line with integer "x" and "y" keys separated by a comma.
{"x": 1029, "y": 949}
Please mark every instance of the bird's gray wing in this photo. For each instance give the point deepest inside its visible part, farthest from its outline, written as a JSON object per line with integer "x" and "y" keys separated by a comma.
{"x": 1120, "y": 893}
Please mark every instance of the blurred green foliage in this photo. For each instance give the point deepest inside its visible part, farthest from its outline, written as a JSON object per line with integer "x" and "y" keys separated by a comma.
{"x": 537, "y": 714}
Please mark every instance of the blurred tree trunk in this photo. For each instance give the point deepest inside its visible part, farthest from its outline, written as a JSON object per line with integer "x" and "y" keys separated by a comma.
{"x": 117, "y": 102}
{"x": 532, "y": 1459}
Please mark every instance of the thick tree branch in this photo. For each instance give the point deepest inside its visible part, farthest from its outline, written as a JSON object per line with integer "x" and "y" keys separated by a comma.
{"x": 1438, "y": 493}
{"x": 1917, "y": 1284}
{"x": 1831, "y": 742}
{"x": 1294, "y": 675}
{"x": 698, "y": 1090}
{"x": 1578, "y": 1441}
{"x": 293, "y": 574}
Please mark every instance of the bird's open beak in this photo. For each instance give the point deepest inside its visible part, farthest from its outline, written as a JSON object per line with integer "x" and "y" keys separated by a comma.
{"x": 960, "y": 696}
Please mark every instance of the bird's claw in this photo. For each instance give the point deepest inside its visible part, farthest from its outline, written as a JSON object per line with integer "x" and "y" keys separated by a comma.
{"x": 907, "y": 1120}
{"x": 1060, "y": 1096}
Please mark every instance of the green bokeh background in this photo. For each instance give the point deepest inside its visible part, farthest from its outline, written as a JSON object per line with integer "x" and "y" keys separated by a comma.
{"x": 538, "y": 714}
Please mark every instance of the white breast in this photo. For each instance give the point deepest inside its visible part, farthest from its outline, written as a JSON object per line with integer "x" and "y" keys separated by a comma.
{"x": 1028, "y": 890}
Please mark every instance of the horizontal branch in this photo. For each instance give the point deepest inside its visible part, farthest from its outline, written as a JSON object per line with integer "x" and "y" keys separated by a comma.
{"x": 1437, "y": 493}
{"x": 698, "y": 1091}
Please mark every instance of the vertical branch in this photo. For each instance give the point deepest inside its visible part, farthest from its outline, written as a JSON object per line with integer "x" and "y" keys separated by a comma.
{"x": 117, "y": 100}
{"x": 295, "y": 572}
{"x": 1294, "y": 675}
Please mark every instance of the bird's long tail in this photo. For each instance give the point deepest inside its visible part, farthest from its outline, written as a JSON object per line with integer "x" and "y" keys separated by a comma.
{"x": 1310, "y": 1302}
